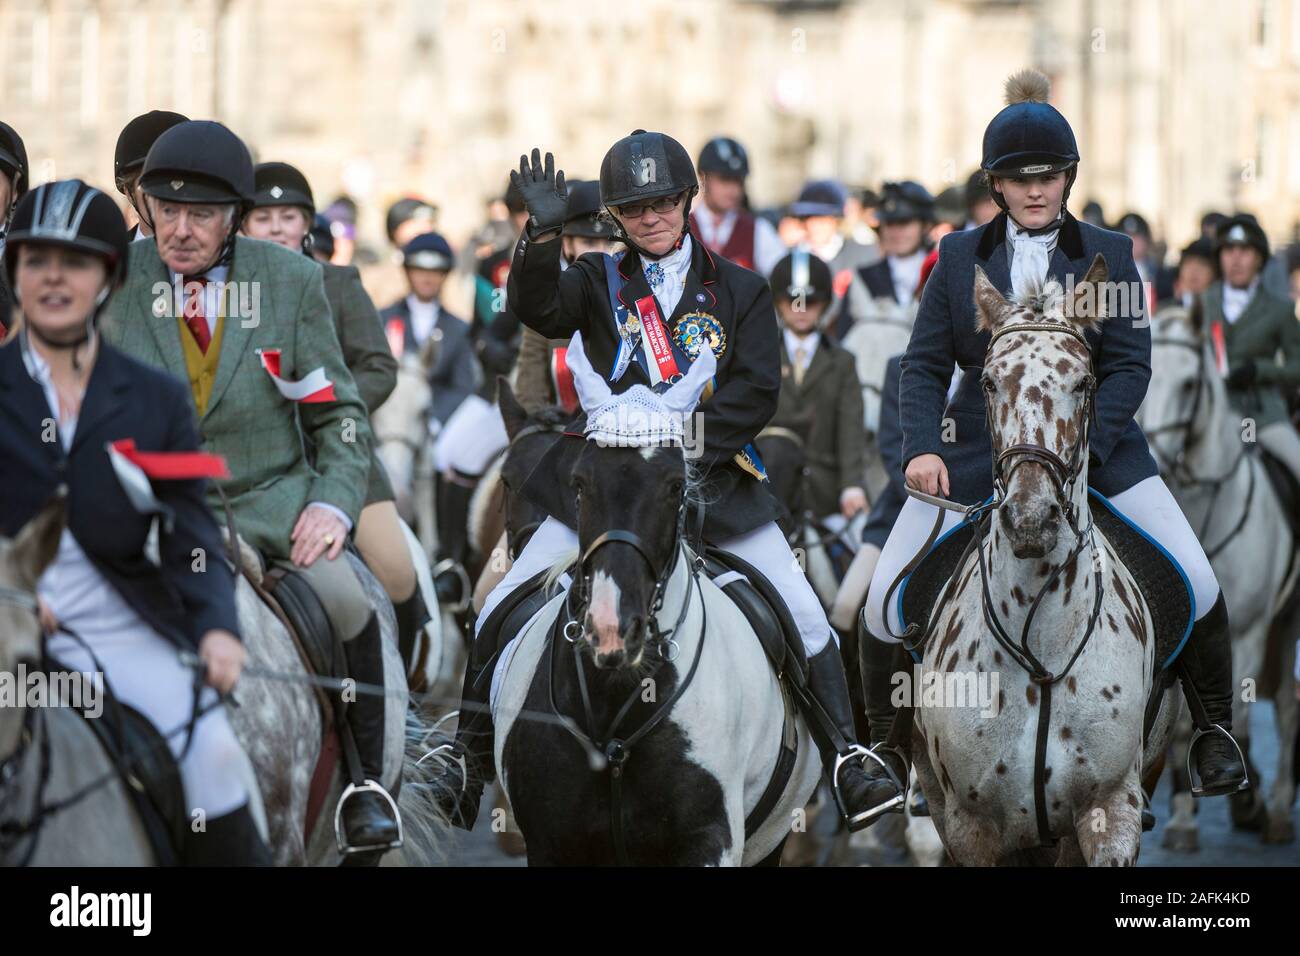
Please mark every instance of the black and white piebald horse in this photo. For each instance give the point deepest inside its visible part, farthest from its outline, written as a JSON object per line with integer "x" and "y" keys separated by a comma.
{"x": 638, "y": 720}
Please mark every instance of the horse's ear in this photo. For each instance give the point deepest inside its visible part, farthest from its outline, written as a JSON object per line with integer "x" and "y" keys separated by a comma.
{"x": 685, "y": 393}
{"x": 593, "y": 391}
{"x": 37, "y": 543}
{"x": 512, "y": 413}
{"x": 1088, "y": 305}
{"x": 990, "y": 305}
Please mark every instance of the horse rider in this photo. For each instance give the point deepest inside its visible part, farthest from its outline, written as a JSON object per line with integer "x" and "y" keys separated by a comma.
{"x": 541, "y": 376}
{"x": 647, "y": 182}
{"x": 1254, "y": 327}
{"x": 419, "y": 317}
{"x": 246, "y": 324}
{"x": 106, "y": 607}
{"x": 820, "y": 210}
{"x": 283, "y": 210}
{"x": 409, "y": 217}
{"x": 820, "y": 394}
{"x": 1198, "y": 267}
{"x": 725, "y": 224}
{"x": 1031, "y": 159}
{"x": 128, "y": 159}
{"x": 891, "y": 287}
{"x": 13, "y": 185}
{"x": 418, "y": 321}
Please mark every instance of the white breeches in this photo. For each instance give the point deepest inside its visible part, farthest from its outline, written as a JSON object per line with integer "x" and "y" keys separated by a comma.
{"x": 471, "y": 438}
{"x": 765, "y": 548}
{"x": 1148, "y": 504}
{"x": 144, "y": 670}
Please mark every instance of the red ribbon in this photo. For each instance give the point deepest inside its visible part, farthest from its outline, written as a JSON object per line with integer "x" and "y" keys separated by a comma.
{"x": 565, "y": 391}
{"x": 172, "y": 465}
{"x": 1220, "y": 347}
{"x": 657, "y": 339}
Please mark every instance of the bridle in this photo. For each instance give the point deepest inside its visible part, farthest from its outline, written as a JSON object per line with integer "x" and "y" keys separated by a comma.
{"x": 617, "y": 749}
{"x": 1178, "y": 471}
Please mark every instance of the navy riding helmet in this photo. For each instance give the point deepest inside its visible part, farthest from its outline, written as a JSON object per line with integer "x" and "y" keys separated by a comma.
{"x": 1029, "y": 137}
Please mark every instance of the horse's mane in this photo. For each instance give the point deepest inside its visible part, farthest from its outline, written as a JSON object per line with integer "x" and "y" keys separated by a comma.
{"x": 549, "y": 415}
{"x": 1039, "y": 297}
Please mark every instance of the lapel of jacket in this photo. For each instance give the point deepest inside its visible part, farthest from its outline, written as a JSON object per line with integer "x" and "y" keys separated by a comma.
{"x": 235, "y": 335}
{"x": 1068, "y": 257}
{"x": 991, "y": 253}
{"x": 105, "y": 396}
{"x": 22, "y": 399}
{"x": 142, "y": 303}
{"x": 701, "y": 282}
{"x": 1255, "y": 310}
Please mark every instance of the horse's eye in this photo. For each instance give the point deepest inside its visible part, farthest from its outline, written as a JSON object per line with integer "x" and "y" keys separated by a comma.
{"x": 986, "y": 383}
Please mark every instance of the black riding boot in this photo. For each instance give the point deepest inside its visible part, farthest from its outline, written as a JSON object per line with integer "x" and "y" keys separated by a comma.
{"x": 452, "y": 506}
{"x": 842, "y": 760}
{"x": 412, "y": 615}
{"x": 1205, "y": 666}
{"x": 468, "y": 763}
{"x": 228, "y": 840}
{"x": 368, "y": 819}
{"x": 886, "y": 780}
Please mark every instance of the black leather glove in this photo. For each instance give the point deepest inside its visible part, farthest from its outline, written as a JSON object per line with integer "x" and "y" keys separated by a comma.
{"x": 544, "y": 193}
{"x": 1243, "y": 376}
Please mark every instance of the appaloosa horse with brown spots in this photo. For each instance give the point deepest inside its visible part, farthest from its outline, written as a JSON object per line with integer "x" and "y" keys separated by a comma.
{"x": 1042, "y": 602}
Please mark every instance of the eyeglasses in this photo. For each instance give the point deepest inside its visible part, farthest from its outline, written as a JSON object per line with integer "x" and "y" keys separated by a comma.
{"x": 661, "y": 205}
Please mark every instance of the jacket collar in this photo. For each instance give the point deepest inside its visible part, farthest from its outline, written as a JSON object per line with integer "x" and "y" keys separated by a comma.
{"x": 105, "y": 392}
{"x": 703, "y": 274}
{"x": 994, "y": 234}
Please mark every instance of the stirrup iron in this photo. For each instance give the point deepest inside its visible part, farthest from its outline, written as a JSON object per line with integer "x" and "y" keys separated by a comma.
{"x": 1197, "y": 789}
{"x": 351, "y": 790}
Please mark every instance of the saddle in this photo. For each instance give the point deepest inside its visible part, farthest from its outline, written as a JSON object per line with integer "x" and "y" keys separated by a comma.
{"x": 1287, "y": 490}
{"x": 1162, "y": 582}
{"x": 149, "y": 772}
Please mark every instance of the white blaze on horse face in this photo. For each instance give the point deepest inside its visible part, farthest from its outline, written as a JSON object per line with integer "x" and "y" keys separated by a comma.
{"x": 603, "y": 613}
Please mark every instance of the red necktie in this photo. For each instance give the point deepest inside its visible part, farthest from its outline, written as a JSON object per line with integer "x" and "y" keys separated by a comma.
{"x": 194, "y": 314}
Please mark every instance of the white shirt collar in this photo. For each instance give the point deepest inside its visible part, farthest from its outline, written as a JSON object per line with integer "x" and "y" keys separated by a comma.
{"x": 675, "y": 267}
{"x": 808, "y": 343}
{"x": 1235, "y": 300}
{"x": 905, "y": 271}
{"x": 39, "y": 370}
{"x": 424, "y": 317}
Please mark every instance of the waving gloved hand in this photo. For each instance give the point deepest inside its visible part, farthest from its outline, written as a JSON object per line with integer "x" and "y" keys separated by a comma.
{"x": 544, "y": 193}
{"x": 1243, "y": 376}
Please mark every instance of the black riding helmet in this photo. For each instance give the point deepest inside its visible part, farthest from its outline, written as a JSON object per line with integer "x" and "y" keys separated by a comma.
{"x": 200, "y": 161}
{"x": 1029, "y": 137}
{"x": 801, "y": 273}
{"x": 279, "y": 184}
{"x": 71, "y": 214}
{"x": 13, "y": 162}
{"x": 582, "y": 212}
{"x": 644, "y": 166}
{"x": 1243, "y": 229}
{"x": 724, "y": 156}
{"x": 135, "y": 140}
{"x": 406, "y": 209}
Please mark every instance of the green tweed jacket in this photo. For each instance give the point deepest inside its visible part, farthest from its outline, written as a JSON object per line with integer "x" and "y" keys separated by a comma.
{"x": 247, "y": 419}
{"x": 366, "y": 351}
{"x": 1267, "y": 327}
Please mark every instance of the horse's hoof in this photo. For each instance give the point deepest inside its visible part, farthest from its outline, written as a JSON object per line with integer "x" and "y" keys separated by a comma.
{"x": 1279, "y": 830}
{"x": 1248, "y": 811}
{"x": 1181, "y": 839}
